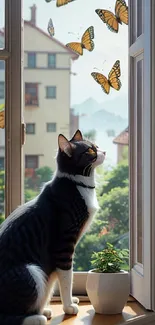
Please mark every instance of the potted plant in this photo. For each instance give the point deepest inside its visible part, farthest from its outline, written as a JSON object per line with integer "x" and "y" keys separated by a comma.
{"x": 108, "y": 285}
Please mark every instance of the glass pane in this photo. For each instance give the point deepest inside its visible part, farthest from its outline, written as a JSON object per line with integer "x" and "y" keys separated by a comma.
{"x": 2, "y": 140}
{"x": 2, "y": 23}
{"x": 139, "y": 162}
{"x": 140, "y": 6}
{"x": 62, "y": 96}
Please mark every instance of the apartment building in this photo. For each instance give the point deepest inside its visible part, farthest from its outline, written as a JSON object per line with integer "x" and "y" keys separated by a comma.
{"x": 47, "y": 71}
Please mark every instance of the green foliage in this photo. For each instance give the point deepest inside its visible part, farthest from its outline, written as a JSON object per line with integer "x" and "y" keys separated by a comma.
{"x": 109, "y": 260}
{"x": 90, "y": 135}
{"x": 115, "y": 210}
{"x": 116, "y": 178}
{"x": 111, "y": 221}
{"x": 44, "y": 174}
{"x": 30, "y": 194}
{"x": 41, "y": 176}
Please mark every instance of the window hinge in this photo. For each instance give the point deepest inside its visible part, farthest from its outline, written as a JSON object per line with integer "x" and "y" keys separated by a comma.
{"x": 23, "y": 125}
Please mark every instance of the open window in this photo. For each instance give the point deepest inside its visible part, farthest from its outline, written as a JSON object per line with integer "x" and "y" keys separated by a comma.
{"x": 141, "y": 129}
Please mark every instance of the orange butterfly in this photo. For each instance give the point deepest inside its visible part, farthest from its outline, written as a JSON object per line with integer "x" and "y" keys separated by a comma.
{"x": 2, "y": 119}
{"x": 113, "y": 20}
{"x": 86, "y": 42}
{"x": 113, "y": 78}
{"x": 61, "y": 2}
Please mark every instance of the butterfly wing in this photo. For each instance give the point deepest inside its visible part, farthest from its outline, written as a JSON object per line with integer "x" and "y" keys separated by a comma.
{"x": 75, "y": 47}
{"x": 63, "y": 2}
{"x": 114, "y": 75}
{"x": 102, "y": 81}
{"x": 50, "y": 28}
{"x": 121, "y": 11}
{"x": 87, "y": 39}
{"x": 109, "y": 19}
{"x": 2, "y": 117}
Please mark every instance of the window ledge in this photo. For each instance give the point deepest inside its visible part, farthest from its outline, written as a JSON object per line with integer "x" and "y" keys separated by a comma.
{"x": 133, "y": 313}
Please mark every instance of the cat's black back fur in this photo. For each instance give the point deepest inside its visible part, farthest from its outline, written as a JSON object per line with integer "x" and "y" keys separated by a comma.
{"x": 46, "y": 233}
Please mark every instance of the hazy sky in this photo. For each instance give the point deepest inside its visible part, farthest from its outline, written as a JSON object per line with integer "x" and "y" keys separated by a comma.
{"x": 76, "y": 17}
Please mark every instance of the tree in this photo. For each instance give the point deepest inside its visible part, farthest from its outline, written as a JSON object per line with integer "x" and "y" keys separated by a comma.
{"x": 111, "y": 221}
{"x": 90, "y": 135}
{"x": 117, "y": 177}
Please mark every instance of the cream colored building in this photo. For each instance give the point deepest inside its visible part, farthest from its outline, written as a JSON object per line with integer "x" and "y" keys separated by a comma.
{"x": 47, "y": 70}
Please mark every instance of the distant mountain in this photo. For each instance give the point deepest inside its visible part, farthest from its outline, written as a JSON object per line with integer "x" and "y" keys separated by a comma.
{"x": 88, "y": 107}
{"x": 102, "y": 117}
{"x": 117, "y": 106}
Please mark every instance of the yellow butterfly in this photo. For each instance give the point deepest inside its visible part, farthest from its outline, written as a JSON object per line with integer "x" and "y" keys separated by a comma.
{"x": 60, "y": 3}
{"x": 2, "y": 118}
{"x": 113, "y": 20}
{"x": 113, "y": 78}
{"x": 86, "y": 42}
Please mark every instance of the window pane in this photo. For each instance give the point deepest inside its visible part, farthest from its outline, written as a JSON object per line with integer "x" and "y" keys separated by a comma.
{"x": 31, "y": 60}
{"x": 2, "y": 142}
{"x": 51, "y": 92}
{"x": 51, "y": 60}
{"x": 140, "y": 6}
{"x": 30, "y": 128}
{"x": 2, "y": 23}
{"x": 31, "y": 94}
{"x": 139, "y": 162}
{"x": 68, "y": 99}
{"x": 51, "y": 127}
{"x": 31, "y": 161}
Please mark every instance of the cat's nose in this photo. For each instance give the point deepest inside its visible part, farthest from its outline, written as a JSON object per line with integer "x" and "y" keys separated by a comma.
{"x": 104, "y": 152}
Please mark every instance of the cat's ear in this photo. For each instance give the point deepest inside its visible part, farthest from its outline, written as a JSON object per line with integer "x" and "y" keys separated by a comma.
{"x": 77, "y": 136}
{"x": 64, "y": 145}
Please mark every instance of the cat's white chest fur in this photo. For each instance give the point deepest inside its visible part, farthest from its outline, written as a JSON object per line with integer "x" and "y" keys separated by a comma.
{"x": 89, "y": 195}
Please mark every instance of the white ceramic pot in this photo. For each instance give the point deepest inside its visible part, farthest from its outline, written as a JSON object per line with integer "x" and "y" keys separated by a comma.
{"x": 108, "y": 292}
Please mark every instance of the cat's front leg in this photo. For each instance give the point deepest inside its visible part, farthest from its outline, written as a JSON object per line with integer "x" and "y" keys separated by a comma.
{"x": 65, "y": 278}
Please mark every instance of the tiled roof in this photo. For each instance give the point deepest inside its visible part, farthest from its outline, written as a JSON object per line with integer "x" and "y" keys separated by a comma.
{"x": 122, "y": 138}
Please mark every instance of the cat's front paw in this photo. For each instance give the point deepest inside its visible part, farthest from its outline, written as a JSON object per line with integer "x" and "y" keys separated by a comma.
{"x": 71, "y": 310}
{"x": 48, "y": 313}
{"x": 75, "y": 300}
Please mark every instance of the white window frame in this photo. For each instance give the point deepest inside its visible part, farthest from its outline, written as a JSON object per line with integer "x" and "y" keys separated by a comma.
{"x": 142, "y": 276}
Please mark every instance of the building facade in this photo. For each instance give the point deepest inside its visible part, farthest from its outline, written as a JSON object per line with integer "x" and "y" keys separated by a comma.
{"x": 47, "y": 71}
{"x": 122, "y": 141}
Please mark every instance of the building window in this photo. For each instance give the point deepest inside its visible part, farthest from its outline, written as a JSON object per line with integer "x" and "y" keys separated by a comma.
{"x": 51, "y": 61}
{"x": 2, "y": 90}
{"x": 50, "y": 92}
{"x": 31, "y": 60}
{"x": 1, "y": 163}
{"x": 30, "y": 128}
{"x": 51, "y": 127}
{"x": 31, "y": 161}
{"x": 2, "y": 65}
{"x": 31, "y": 94}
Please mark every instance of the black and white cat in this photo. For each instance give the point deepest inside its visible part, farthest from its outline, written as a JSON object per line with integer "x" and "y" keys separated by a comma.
{"x": 38, "y": 239}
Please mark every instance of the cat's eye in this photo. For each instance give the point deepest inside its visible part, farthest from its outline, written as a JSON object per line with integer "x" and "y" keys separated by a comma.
{"x": 91, "y": 151}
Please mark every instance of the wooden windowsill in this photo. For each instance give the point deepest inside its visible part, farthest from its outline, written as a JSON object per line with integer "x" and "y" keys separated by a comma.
{"x": 133, "y": 313}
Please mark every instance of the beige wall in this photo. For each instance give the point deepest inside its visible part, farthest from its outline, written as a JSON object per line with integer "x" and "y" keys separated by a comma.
{"x": 49, "y": 110}
{"x": 120, "y": 150}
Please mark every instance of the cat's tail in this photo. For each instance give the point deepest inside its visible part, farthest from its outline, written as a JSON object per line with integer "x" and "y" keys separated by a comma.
{"x": 11, "y": 320}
